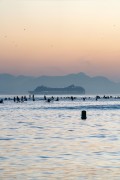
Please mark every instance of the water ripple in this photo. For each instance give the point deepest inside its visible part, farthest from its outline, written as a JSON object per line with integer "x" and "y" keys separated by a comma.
{"x": 40, "y": 140}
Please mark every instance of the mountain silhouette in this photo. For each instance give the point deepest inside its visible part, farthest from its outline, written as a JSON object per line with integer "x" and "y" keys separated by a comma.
{"x": 10, "y": 84}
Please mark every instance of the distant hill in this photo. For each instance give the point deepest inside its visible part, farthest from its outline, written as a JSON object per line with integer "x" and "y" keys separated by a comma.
{"x": 10, "y": 84}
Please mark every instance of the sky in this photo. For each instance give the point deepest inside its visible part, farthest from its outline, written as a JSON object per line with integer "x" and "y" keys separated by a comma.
{"x": 58, "y": 37}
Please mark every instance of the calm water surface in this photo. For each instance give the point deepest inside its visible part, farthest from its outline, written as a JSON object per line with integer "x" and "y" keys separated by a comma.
{"x": 40, "y": 140}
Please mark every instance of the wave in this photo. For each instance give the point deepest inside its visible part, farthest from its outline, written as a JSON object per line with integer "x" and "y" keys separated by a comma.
{"x": 93, "y": 107}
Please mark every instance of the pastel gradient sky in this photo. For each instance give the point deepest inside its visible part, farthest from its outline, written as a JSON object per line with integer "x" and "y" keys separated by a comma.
{"x": 57, "y": 37}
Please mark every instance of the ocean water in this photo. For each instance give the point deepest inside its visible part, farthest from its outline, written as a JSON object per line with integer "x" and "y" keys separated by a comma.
{"x": 40, "y": 140}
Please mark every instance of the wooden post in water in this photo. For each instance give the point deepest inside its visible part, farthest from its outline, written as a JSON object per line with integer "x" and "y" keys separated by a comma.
{"x": 83, "y": 115}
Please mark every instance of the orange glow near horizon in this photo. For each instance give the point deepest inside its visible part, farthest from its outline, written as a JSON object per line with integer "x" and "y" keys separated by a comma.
{"x": 59, "y": 37}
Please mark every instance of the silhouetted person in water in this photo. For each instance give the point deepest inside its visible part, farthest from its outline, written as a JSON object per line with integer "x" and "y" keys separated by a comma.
{"x": 48, "y": 100}
{"x": 14, "y": 99}
{"x": 1, "y": 101}
{"x": 18, "y": 99}
{"x": 97, "y": 97}
{"x": 45, "y": 98}
{"x": 25, "y": 98}
{"x": 57, "y": 99}
{"x": 22, "y": 100}
{"x": 52, "y": 98}
{"x": 72, "y": 98}
{"x": 33, "y": 98}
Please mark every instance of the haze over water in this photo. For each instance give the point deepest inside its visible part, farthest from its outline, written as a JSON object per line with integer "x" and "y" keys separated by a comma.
{"x": 41, "y": 140}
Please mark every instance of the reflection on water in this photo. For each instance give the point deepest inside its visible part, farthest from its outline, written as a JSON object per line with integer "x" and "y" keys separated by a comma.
{"x": 40, "y": 140}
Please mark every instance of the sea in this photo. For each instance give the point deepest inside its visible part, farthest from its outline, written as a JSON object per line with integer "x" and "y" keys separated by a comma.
{"x": 42, "y": 140}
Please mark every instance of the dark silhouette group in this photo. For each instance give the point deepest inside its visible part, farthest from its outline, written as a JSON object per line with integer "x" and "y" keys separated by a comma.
{"x": 22, "y": 99}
